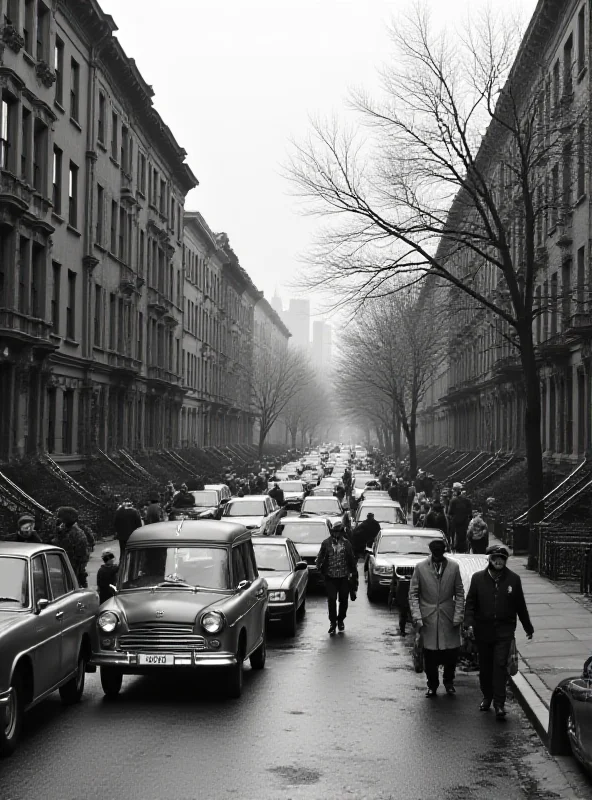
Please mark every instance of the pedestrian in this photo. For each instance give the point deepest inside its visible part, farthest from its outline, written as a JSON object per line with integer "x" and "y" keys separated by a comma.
{"x": 25, "y": 530}
{"x": 107, "y": 575}
{"x": 494, "y": 601}
{"x": 277, "y": 493}
{"x": 436, "y": 597}
{"x": 154, "y": 510}
{"x": 478, "y": 534}
{"x": 126, "y": 520}
{"x": 338, "y": 565}
{"x": 183, "y": 498}
{"x": 399, "y": 596}
{"x": 365, "y": 533}
{"x": 70, "y": 537}
{"x": 460, "y": 512}
{"x": 436, "y": 518}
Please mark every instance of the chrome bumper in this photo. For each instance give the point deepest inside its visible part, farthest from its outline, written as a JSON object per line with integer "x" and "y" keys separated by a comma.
{"x": 129, "y": 661}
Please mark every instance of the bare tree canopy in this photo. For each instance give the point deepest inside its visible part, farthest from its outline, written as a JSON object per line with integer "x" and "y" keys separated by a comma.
{"x": 454, "y": 174}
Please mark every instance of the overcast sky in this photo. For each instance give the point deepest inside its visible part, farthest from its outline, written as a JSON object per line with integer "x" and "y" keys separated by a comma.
{"x": 235, "y": 80}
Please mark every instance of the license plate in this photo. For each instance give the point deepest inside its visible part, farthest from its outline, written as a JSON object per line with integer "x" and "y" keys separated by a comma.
{"x": 156, "y": 660}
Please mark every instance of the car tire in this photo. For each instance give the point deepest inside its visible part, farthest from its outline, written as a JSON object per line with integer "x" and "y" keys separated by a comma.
{"x": 111, "y": 680}
{"x": 11, "y": 718}
{"x": 291, "y": 622}
{"x": 234, "y": 678}
{"x": 257, "y": 658}
{"x": 371, "y": 591}
{"x": 72, "y": 691}
{"x": 302, "y": 609}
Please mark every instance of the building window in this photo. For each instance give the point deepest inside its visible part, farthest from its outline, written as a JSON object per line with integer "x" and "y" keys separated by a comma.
{"x": 23, "y": 275}
{"x": 29, "y": 25}
{"x": 554, "y": 195}
{"x": 566, "y": 198}
{"x": 566, "y": 292}
{"x": 122, "y": 230}
{"x": 42, "y": 32}
{"x": 142, "y": 173}
{"x": 51, "y": 420}
{"x": 581, "y": 280}
{"x": 114, "y": 136}
{"x": 67, "y": 421}
{"x": 163, "y": 198}
{"x": 102, "y": 118}
{"x": 58, "y": 65}
{"x": 120, "y": 325}
{"x": 11, "y": 17}
{"x": 113, "y": 243}
{"x": 73, "y": 195}
{"x": 140, "y": 351}
{"x": 55, "y": 296}
{"x": 112, "y": 320}
{"x": 40, "y": 144}
{"x": 57, "y": 180}
{"x": 124, "y": 159}
{"x": 581, "y": 39}
{"x": 7, "y": 109}
{"x": 74, "y": 89}
{"x": 141, "y": 255}
{"x": 36, "y": 302}
{"x": 26, "y": 129}
{"x": 567, "y": 66}
{"x": 581, "y": 160}
{"x": 71, "y": 307}
{"x": 100, "y": 214}
{"x": 553, "y": 304}
{"x": 556, "y": 88}
{"x": 98, "y": 315}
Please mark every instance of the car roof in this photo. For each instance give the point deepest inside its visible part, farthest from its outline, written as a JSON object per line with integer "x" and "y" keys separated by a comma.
{"x": 302, "y": 520}
{"x": 380, "y": 501}
{"x": 249, "y": 497}
{"x": 215, "y": 486}
{"x": 409, "y": 530}
{"x": 271, "y": 540}
{"x": 26, "y": 549}
{"x": 188, "y": 531}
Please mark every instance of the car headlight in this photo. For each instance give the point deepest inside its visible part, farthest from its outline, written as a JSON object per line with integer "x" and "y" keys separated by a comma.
{"x": 383, "y": 569}
{"x": 108, "y": 621}
{"x": 277, "y": 597}
{"x": 212, "y": 622}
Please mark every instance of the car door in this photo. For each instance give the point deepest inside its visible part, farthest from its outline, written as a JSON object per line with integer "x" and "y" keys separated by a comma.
{"x": 259, "y": 587}
{"x": 301, "y": 576}
{"x": 371, "y": 558}
{"x": 272, "y": 510}
{"x": 47, "y": 654}
{"x": 247, "y": 592}
{"x": 71, "y": 608}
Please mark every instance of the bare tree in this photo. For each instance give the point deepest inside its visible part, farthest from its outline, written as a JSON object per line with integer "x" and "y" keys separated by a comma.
{"x": 276, "y": 377}
{"x": 456, "y": 177}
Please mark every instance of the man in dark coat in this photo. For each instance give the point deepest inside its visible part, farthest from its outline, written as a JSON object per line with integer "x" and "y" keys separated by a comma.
{"x": 494, "y": 601}
{"x": 72, "y": 539}
{"x": 365, "y": 533}
{"x": 183, "y": 498}
{"x": 436, "y": 518}
{"x": 154, "y": 511}
{"x": 26, "y": 530}
{"x": 278, "y": 494}
{"x": 126, "y": 520}
{"x": 338, "y": 565}
{"x": 460, "y": 513}
{"x": 107, "y": 575}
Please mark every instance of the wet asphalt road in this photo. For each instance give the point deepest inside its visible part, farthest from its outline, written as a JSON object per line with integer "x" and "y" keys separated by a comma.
{"x": 341, "y": 717}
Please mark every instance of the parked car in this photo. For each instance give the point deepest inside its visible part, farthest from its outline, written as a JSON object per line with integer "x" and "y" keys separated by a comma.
{"x": 294, "y": 492}
{"x": 396, "y": 550}
{"x": 386, "y": 512}
{"x": 286, "y": 574}
{"x": 307, "y": 534}
{"x": 46, "y": 622}
{"x": 189, "y": 596}
{"x": 225, "y": 493}
{"x": 570, "y": 718}
{"x": 329, "y": 507}
{"x": 259, "y": 513}
{"x": 208, "y": 505}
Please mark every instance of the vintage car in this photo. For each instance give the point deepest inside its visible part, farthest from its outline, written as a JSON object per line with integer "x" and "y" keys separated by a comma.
{"x": 570, "y": 718}
{"x": 209, "y": 504}
{"x": 189, "y": 596}
{"x": 259, "y": 513}
{"x": 307, "y": 533}
{"x": 329, "y": 507}
{"x": 386, "y": 512}
{"x": 46, "y": 622}
{"x": 286, "y": 574}
{"x": 294, "y": 492}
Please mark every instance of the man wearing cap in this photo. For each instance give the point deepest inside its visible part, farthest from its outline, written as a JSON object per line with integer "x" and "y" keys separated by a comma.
{"x": 436, "y": 598}
{"x": 460, "y": 512}
{"x": 494, "y": 601}
{"x": 26, "y": 530}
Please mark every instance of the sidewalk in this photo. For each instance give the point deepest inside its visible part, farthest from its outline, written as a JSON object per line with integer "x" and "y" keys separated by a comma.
{"x": 561, "y": 643}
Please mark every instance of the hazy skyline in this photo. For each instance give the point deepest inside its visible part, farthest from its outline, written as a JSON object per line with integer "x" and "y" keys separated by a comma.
{"x": 237, "y": 81}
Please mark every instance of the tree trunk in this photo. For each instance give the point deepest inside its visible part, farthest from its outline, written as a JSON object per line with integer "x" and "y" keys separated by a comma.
{"x": 410, "y": 436}
{"x": 396, "y": 431}
{"x": 262, "y": 435}
{"x": 532, "y": 427}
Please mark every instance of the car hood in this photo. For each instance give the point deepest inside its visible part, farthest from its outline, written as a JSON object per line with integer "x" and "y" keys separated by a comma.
{"x": 399, "y": 560}
{"x": 178, "y": 605}
{"x": 293, "y": 495}
{"x": 246, "y": 521}
{"x": 196, "y": 511}
{"x": 276, "y": 580}
{"x": 10, "y": 619}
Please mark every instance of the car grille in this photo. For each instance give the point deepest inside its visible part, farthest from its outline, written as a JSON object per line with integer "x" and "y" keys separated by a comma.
{"x": 161, "y": 638}
{"x": 404, "y": 572}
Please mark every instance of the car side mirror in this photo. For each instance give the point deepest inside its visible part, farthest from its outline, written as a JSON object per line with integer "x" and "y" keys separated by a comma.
{"x": 370, "y": 550}
{"x": 301, "y": 565}
{"x": 113, "y": 588}
{"x": 41, "y": 605}
{"x": 243, "y": 585}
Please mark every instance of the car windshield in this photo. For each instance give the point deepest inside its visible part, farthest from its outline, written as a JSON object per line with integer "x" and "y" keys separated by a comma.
{"x": 392, "y": 514}
{"x": 321, "y": 505}
{"x": 14, "y": 584}
{"x": 271, "y": 558}
{"x": 206, "y": 567}
{"x": 248, "y": 508}
{"x": 410, "y": 545}
{"x": 290, "y": 486}
{"x": 205, "y": 499}
{"x": 302, "y": 533}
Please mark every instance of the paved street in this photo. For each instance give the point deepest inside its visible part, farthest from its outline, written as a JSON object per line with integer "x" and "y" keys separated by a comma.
{"x": 328, "y": 718}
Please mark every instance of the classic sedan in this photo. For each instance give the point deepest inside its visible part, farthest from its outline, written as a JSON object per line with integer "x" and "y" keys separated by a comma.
{"x": 294, "y": 492}
{"x": 386, "y": 512}
{"x": 259, "y": 513}
{"x": 329, "y": 507}
{"x": 570, "y": 718}
{"x": 208, "y": 505}
{"x": 396, "y": 550}
{"x": 286, "y": 574}
{"x": 189, "y": 596}
{"x": 46, "y": 622}
{"x": 307, "y": 534}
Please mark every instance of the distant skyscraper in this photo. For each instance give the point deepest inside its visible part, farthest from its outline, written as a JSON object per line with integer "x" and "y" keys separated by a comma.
{"x": 297, "y": 319}
{"x": 321, "y": 346}
{"x": 277, "y": 305}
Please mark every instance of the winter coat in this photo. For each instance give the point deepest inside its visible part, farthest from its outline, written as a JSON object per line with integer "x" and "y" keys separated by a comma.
{"x": 33, "y": 537}
{"x": 365, "y": 533}
{"x": 154, "y": 513}
{"x": 438, "y": 604}
{"x": 436, "y": 520}
{"x": 106, "y": 575}
{"x": 460, "y": 510}
{"x": 74, "y": 542}
{"x": 323, "y": 557}
{"x": 478, "y": 531}
{"x": 493, "y": 606}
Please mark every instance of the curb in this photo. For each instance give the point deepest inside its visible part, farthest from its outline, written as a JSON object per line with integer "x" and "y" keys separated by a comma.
{"x": 532, "y": 705}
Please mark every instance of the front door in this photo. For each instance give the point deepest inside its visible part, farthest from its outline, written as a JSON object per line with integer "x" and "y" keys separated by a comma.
{"x": 47, "y": 655}
{"x": 65, "y": 601}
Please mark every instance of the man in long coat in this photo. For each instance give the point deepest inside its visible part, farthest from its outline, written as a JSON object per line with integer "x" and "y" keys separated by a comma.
{"x": 436, "y": 598}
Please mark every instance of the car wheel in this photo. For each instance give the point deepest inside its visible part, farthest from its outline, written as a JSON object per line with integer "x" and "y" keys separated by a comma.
{"x": 302, "y": 609}
{"x": 292, "y": 620}
{"x": 234, "y": 677}
{"x": 257, "y": 658}
{"x": 370, "y": 590}
{"x": 72, "y": 691}
{"x": 111, "y": 680}
{"x": 11, "y": 718}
